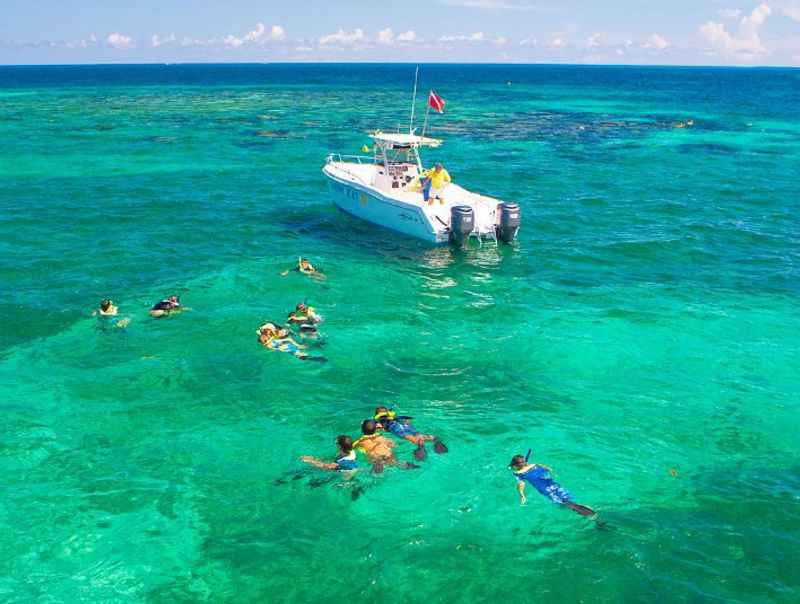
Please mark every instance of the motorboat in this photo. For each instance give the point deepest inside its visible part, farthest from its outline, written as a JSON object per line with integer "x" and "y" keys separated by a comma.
{"x": 385, "y": 189}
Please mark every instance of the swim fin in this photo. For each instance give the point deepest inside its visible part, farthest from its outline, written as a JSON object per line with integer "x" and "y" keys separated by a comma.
{"x": 317, "y": 359}
{"x": 580, "y": 509}
{"x": 420, "y": 453}
{"x": 315, "y": 483}
{"x": 439, "y": 446}
{"x": 289, "y": 476}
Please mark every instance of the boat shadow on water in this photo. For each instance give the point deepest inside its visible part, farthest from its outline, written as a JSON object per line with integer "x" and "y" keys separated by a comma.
{"x": 336, "y": 229}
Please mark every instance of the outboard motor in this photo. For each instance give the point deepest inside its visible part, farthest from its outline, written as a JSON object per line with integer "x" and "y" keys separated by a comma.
{"x": 508, "y": 224}
{"x": 462, "y": 222}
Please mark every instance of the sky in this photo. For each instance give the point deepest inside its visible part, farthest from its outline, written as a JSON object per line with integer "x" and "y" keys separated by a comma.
{"x": 676, "y": 32}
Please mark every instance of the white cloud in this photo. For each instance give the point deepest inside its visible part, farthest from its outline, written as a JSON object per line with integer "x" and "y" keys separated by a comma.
{"x": 386, "y": 36}
{"x": 757, "y": 17}
{"x": 343, "y": 38}
{"x": 277, "y": 32}
{"x": 254, "y": 35}
{"x": 117, "y": 40}
{"x": 478, "y": 36}
{"x": 747, "y": 43}
{"x": 656, "y": 42}
{"x": 232, "y": 41}
{"x": 186, "y": 42}
{"x": 593, "y": 41}
{"x": 407, "y": 36}
{"x": 258, "y": 35}
{"x": 501, "y": 40}
{"x": 729, "y": 13}
{"x": 557, "y": 42}
{"x": 86, "y": 43}
{"x": 529, "y": 41}
{"x": 156, "y": 41}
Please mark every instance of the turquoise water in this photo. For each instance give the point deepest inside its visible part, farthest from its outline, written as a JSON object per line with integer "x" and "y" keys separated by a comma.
{"x": 641, "y": 337}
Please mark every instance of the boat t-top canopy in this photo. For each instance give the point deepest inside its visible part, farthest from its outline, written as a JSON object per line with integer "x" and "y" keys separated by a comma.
{"x": 395, "y": 140}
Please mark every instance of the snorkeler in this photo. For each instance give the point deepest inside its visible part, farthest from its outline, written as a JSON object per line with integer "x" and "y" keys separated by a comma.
{"x": 306, "y": 268}
{"x": 345, "y": 462}
{"x": 108, "y": 309}
{"x": 305, "y": 317}
{"x": 377, "y": 448}
{"x": 539, "y": 476}
{"x": 277, "y": 338}
{"x": 304, "y": 314}
{"x": 166, "y": 307}
{"x": 400, "y": 426}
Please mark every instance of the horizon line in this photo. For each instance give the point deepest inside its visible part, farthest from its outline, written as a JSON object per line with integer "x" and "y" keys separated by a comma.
{"x": 462, "y": 63}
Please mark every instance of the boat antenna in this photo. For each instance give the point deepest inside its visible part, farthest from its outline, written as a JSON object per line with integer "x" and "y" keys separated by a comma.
{"x": 413, "y": 102}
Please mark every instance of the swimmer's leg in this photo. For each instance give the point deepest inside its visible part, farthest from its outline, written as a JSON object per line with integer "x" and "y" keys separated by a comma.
{"x": 580, "y": 509}
{"x": 357, "y": 491}
{"x": 315, "y": 483}
{"x": 419, "y": 453}
{"x": 289, "y": 476}
{"x": 308, "y": 358}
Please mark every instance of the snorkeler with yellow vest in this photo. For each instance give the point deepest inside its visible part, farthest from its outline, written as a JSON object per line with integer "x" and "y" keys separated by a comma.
{"x": 401, "y": 427}
{"x": 304, "y": 267}
{"x": 378, "y": 448}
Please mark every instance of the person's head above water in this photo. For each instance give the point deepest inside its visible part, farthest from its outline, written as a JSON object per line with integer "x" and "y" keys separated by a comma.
{"x": 301, "y": 307}
{"x": 369, "y": 427}
{"x": 383, "y": 412}
{"x": 268, "y": 329}
{"x": 105, "y": 305}
{"x": 438, "y": 166}
{"x": 305, "y": 265}
{"x": 345, "y": 443}
{"x": 174, "y": 300}
{"x": 517, "y": 462}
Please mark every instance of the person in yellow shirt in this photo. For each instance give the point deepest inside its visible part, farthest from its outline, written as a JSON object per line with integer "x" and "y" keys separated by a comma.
{"x": 433, "y": 184}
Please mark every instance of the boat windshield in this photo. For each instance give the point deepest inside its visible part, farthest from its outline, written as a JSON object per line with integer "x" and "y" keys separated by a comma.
{"x": 396, "y": 155}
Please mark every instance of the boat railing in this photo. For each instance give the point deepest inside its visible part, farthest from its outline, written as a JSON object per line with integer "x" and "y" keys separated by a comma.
{"x": 361, "y": 159}
{"x": 338, "y": 157}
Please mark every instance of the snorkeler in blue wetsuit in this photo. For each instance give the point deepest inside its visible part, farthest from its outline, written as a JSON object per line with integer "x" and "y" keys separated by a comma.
{"x": 539, "y": 476}
{"x": 401, "y": 427}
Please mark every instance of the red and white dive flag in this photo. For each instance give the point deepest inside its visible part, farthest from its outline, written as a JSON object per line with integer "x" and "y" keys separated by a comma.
{"x": 436, "y": 102}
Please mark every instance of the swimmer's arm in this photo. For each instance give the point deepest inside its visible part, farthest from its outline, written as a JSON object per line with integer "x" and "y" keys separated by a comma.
{"x": 521, "y": 491}
{"x": 317, "y": 463}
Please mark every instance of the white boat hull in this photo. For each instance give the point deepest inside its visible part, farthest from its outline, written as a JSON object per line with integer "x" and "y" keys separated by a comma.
{"x": 368, "y": 204}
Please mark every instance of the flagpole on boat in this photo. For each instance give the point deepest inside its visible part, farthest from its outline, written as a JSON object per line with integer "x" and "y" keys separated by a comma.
{"x": 425, "y": 123}
{"x": 413, "y": 102}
